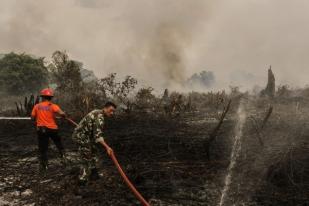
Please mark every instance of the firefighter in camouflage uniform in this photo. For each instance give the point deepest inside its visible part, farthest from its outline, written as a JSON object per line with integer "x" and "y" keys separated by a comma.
{"x": 87, "y": 135}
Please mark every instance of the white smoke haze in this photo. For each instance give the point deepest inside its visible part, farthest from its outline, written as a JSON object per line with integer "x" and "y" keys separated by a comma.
{"x": 163, "y": 42}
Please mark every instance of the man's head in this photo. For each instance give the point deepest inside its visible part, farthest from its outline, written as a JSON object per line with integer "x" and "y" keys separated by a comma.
{"x": 109, "y": 109}
{"x": 47, "y": 94}
{"x": 46, "y": 98}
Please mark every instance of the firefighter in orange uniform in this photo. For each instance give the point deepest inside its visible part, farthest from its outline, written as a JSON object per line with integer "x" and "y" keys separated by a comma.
{"x": 44, "y": 114}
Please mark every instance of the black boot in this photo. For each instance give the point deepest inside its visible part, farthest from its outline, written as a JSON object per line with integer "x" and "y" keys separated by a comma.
{"x": 64, "y": 159}
{"x": 83, "y": 177}
{"x": 43, "y": 168}
{"x": 81, "y": 188}
{"x": 94, "y": 175}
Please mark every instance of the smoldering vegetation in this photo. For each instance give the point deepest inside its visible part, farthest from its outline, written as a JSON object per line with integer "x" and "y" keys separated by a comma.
{"x": 175, "y": 147}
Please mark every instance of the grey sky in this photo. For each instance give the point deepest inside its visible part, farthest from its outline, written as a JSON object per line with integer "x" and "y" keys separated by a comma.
{"x": 165, "y": 41}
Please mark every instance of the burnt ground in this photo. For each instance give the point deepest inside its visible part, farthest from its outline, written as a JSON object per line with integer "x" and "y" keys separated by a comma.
{"x": 166, "y": 160}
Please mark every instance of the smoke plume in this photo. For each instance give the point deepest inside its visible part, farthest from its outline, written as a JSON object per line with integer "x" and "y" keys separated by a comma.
{"x": 163, "y": 42}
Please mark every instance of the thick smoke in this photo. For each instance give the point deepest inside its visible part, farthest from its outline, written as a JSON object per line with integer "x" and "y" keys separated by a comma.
{"x": 163, "y": 42}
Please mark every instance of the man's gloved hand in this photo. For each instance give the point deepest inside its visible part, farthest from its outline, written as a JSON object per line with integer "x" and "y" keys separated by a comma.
{"x": 108, "y": 149}
{"x": 98, "y": 140}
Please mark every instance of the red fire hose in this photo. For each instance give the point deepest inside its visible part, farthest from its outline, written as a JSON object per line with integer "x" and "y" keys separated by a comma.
{"x": 120, "y": 170}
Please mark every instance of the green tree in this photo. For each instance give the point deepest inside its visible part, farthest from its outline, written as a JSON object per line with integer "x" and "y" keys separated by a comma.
{"x": 65, "y": 73}
{"x": 114, "y": 89}
{"x": 119, "y": 92}
{"x": 70, "y": 88}
{"x": 22, "y": 73}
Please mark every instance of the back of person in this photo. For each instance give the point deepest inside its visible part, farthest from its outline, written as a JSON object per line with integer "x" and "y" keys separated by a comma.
{"x": 86, "y": 125}
{"x": 45, "y": 114}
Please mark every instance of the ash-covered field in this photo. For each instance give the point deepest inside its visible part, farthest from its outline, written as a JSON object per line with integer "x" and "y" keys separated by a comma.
{"x": 167, "y": 159}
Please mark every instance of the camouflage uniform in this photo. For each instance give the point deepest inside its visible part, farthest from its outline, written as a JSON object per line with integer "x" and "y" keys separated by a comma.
{"x": 89, "y": 132}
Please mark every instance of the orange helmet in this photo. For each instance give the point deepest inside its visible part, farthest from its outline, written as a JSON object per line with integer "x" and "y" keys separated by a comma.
{"x": 47, "y": 92}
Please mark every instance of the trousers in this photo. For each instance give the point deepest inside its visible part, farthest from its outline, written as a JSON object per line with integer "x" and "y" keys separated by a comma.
{"x": 44, "y": 134}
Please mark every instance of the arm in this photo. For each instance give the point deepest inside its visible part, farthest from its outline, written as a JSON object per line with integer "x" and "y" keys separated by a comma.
{"x": 98, "y": 124}
{"x": 33, "y": 113}
{"x": 98, "y": 132}
{"x": 108, "y": 149}
{"x": 58, "y": 111}
{"x": 61, "y": 113}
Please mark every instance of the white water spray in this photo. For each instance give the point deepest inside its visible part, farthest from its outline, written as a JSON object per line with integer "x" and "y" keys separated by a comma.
{"x": 235, "y": 152}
